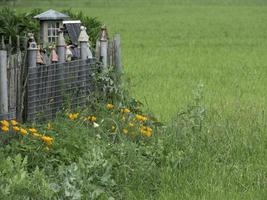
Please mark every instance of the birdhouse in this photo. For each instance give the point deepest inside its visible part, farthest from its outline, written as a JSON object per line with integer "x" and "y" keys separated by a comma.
{"x": 50, "y": 23}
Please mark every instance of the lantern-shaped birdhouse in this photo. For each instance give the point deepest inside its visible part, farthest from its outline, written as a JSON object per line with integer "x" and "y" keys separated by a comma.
{"x": 50, "y": 23}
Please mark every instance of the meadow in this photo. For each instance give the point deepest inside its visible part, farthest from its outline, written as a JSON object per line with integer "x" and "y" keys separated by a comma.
{"x": 200, "y": 67}
{"x": 169, "y": 47}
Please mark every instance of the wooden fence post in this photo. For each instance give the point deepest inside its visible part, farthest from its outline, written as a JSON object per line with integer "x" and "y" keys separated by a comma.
{"x": 104, "y": 46}
{"x": 85, "y": 52}
{"x": 3, "y": 80}
{"x": 117, "y": 54}
{"x": 61, "y": 50}
{"x": 32, "y": 79}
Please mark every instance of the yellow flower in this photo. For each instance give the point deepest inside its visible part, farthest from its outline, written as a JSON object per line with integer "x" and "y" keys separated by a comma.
{"x": 14, "y": 122}
{"x": 131, "y": 124}
{"x": 109, "y": 106}
{"x": 5, "y": 123}
{"x": 92, "y": 118}
{"x": 146, "y": 131}
{"x": 16, "y": 129}
{"x": 32, "y": 130}
{"x": 5, "y": 128}
{"x": 23, "y": 131}
{"x": 125, "y": 110}
{"x": 140, "y": 118}
{"x": 47, "y": 140}
{"x": 125, "y": 131}
{"x": 49, "y": 126}
{"x": 73, "y": 116}
{"x": 113, "y": 128}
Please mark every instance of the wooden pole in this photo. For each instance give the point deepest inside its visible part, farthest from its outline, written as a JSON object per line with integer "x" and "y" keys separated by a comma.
{"x": 61, "y": 50}
{"x": 104, "y": 46}
{"x": 117, "y": 53}
{"x": 32, "y": 80}
{"x": 3, "y": 82}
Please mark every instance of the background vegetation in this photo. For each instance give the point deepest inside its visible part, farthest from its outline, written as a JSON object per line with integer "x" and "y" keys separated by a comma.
{"x": 214, "y": 146}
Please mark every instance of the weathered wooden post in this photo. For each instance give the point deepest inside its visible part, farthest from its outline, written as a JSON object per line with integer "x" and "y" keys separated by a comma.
{"x": 104, "y": 46}
{"x": 61, "y": 50}
{"x": 3, "y": 79}
{"x": 32, "y": 79}
{"x": 117, "y": 54}
{"x": 19, "y": 88}
{"x": 117, "y": 57}
{"x": 85, "y": 51}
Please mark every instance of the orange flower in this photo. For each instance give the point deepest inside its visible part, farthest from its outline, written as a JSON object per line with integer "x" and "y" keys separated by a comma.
{"x": 125, "y": 110}
{"x": 23, "y": 131}
{"x": 92, "y": 118}
{"x": 5, "y": 123}
{"x": 16, "y": 129}
{"x": 146, "y": 131}
{"x": 47, "y": 140}
{"x": 140, "y": 118}
{"x": 14, "y": 122}
{"x": 5, "y": 128}
{"x": 109, "y": 106}
{"x": 32, "y": 130}
{"x": 73, "y": 116}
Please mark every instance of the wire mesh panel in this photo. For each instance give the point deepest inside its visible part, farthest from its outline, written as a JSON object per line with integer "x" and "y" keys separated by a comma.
{"x": 50, "y": 87}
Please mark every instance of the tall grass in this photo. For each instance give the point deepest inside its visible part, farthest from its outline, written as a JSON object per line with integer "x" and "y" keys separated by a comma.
{"x": 214, "y": 145}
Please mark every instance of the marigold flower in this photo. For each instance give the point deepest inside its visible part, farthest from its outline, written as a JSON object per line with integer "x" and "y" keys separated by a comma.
{"x": 92, "y": 118}
{"x": 48, "y": 140}
{"x": 32, "y": 130}
{"x": 23, "y": 131}
{"x": 73, "y": 116}
{"x": 14, "y": 122}
{"x": 5, "y": 123}
{"x": 16, "y": 129}
{"x": 146, "y": 131}
{"x": 5, "y": 128}
{"x": 140, "y": 118}
{"x": 109, "y": 106}
{"x": 125, "y": 110}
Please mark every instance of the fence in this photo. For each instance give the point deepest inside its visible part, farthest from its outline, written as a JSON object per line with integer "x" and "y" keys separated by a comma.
{"x": 31, "y": 91}
{"x": 11, "y": 88}
{"x": 48, "y": 86}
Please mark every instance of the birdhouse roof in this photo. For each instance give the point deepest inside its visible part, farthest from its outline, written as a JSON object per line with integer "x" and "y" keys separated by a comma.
{"x": 51, "y": 15}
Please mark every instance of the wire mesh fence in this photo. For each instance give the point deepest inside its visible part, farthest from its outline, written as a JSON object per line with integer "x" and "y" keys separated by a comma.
{"x": 51, "y": 87}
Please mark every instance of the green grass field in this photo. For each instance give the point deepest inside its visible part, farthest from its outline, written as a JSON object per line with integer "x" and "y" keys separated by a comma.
{"x": 217, "y": 149}
{"x": 169, "y": 47}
